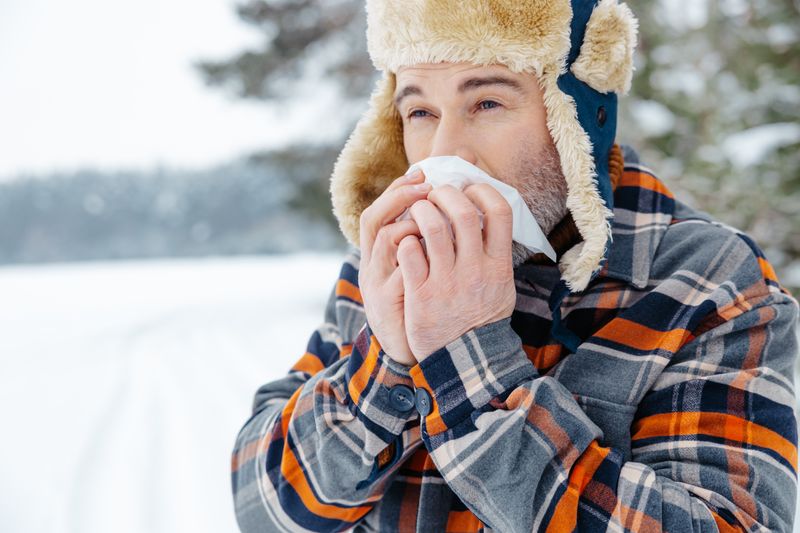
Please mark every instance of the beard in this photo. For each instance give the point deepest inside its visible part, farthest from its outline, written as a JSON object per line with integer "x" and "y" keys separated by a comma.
{"x": 536, "y": 174}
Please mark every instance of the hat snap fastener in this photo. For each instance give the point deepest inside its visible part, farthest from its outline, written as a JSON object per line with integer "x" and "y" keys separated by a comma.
{"x": 601, "y": 116}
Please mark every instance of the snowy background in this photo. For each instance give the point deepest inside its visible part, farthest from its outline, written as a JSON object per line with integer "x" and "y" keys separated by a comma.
{"x": 123, "y": 385}
{"x": 205, "y": 132}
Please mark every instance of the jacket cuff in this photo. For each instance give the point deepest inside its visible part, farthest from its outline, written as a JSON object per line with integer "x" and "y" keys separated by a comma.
{"x": 467, "y": 373}
{"x": 372, "y": 377}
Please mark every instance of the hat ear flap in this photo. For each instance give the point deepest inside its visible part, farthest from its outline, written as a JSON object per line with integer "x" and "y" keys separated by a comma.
{"x": 371, "y": 159}
{"x": 605, "y": 61}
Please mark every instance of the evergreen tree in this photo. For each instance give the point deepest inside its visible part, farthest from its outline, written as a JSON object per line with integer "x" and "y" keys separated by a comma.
{"x": 715, "y": 109}
{"x": 326, "y": 36}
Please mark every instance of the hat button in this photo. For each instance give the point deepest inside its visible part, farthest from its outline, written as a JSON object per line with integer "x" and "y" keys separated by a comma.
{"x": 601, "y": 116}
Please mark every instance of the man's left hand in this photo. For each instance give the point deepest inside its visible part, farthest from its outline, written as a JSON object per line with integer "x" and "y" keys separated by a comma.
{"x": 461, "y": 285}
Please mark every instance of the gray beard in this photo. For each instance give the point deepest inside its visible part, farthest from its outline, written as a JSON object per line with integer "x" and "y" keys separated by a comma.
{"x": 543, "y": 188}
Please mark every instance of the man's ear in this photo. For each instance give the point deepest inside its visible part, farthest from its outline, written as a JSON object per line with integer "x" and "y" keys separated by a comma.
{"x": 605, "y": 61}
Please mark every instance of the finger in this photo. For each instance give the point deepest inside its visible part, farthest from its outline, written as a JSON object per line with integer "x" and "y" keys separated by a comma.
{"x": 463, "y": 215}
{"x": 414, "y": 177}
{"x": 385, "y": 209}
{"x": 434, "y": 228}
{"x": 498, "y": 219}
{"x": 384, "y": 251}
{"x": 411, "y": 178}
{"x": 412, "y": 262}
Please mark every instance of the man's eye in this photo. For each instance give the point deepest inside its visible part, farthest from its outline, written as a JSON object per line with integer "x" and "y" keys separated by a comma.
{"x": 489, "y": 102}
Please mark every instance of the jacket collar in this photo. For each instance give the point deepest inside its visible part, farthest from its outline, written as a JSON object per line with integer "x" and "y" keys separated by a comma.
{"x": 643, "y": 210}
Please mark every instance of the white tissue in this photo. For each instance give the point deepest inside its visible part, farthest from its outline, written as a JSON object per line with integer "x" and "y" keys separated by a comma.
{"x": 452, "y": 170}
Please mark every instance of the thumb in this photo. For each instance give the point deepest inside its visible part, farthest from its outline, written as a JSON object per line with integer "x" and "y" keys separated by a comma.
{"x": 412, "y": 262}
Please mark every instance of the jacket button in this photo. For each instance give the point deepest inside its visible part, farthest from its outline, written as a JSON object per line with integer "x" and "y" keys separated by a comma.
{"x": 401, "y": 397}
{"x": 422, "y": 399}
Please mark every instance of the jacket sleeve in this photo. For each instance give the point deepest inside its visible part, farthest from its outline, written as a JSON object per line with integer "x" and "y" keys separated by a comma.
{"x": 324, "y": 440}
{"x": 714, "y": 440}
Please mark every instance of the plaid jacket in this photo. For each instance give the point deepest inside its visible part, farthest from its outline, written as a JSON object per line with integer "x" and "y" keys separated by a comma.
{"x": 660, "y": 398}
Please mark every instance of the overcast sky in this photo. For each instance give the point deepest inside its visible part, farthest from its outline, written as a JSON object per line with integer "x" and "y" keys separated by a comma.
{"x": 109, "y": 84}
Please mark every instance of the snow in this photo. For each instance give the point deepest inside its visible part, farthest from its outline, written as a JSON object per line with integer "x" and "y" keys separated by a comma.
{"x": 750, "y": 147}
{"x": 654, "y": 118}
{"x": 684, "y": 14}
{"x": 123, "y": 385}
{"x": 792, "y": 275}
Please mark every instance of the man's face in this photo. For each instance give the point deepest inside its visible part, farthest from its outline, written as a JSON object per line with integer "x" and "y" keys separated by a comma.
{"x": 491, "y": 117}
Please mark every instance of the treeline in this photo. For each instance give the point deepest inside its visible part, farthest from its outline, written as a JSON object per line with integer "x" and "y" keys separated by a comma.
{"x": 271, "y": 202}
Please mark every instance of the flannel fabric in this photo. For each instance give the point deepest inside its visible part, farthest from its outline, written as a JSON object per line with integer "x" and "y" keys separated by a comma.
{"x": 672, "y": 411}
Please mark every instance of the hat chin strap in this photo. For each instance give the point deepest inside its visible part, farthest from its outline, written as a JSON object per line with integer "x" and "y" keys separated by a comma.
{"x": 591, "y": 216}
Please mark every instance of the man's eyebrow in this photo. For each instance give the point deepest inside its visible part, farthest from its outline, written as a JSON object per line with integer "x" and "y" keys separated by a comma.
{"x": 408, "y": 90}
{"x": 474, "y": 83}
{"x": 466, "y": 85}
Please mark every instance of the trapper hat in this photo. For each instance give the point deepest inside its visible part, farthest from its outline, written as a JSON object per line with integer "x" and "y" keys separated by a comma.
{"x": 582, "y": 54}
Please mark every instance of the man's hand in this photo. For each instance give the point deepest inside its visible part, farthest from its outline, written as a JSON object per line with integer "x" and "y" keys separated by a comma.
{"x": 461, "y": 285}
{"x": 379, "y": 277}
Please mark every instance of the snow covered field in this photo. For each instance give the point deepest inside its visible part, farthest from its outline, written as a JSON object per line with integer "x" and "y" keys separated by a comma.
{"x": 123, "y": 385}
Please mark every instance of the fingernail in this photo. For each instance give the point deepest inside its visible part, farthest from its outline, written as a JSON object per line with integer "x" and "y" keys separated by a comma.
{"x": 414, "y": 175}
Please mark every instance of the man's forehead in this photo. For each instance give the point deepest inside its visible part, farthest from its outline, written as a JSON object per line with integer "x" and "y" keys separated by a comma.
{"x": 430, "y": 69}
{"x": 411, "y": 80}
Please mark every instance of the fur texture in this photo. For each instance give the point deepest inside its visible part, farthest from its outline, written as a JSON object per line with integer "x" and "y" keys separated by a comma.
{"x": 371, "y": 159}
{"x": 605, "y": 61}
{"x": 525, "y": 36}
{"x": 589, "y": 212}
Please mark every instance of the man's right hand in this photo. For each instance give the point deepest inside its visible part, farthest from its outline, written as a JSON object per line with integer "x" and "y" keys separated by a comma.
{"x": 379, "y": 278}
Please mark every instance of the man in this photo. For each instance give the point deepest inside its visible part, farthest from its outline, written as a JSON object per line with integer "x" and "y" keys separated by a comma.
{"x": 642, "y": 383}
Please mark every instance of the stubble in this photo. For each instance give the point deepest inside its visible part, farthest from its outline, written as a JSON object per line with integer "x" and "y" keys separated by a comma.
{"x": 537, "y": 176}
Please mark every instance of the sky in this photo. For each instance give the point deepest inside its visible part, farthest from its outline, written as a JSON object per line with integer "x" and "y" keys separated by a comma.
{"x": 109, "y": 84}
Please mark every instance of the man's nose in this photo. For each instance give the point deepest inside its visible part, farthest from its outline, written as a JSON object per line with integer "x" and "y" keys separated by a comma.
{"x": 450, "y": 139}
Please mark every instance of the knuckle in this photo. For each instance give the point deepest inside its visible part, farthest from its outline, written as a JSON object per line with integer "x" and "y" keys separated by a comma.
{"x": 401, "y": 250}
{"x": 437, "y": 228}
{"x": 420, "y": 205}
{"x": 383, "y": 235}
{"x": 479, "y": 188}
{"x": 402, "y": 228}
{"x": 466, "y": 216}
{"x": 443, "y": 190}
{"x": 500, "y": 209}
{"x": 406, "y": 241}
{"x": 409, "y": 193}
{"x": 397, "y": 181}
{"x": 366, "y": 214}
